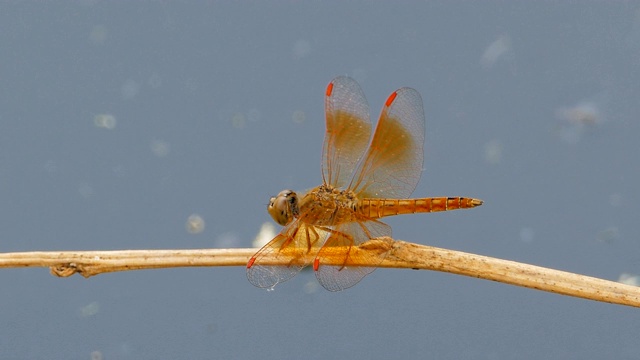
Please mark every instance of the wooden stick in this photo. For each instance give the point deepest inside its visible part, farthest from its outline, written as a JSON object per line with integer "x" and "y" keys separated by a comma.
{"x": 400, "y": 255}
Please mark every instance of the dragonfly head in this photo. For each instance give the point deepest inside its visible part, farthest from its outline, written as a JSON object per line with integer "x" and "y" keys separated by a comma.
{"x": 284, "y": 207}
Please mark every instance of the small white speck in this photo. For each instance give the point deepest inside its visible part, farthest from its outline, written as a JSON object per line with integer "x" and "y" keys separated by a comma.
{"x": 130, "y": 89}
{"x": 105, "y": 121}
{"x": 160, "y": 148}
{"x": 526, "y": 235}
{"x": 195, "y": 224}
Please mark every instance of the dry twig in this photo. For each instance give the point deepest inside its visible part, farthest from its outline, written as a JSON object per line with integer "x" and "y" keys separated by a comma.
{"x": 401, "y": 255}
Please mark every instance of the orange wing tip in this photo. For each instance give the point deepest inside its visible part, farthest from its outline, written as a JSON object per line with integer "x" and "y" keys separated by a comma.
{"x": 391, "y": 98}
{"x": 329, "y": 89}
{"x": 250, "y": 263}
{"x": 316, "y": 264}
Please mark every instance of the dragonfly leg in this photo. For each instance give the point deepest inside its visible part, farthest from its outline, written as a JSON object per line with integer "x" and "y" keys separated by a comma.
{"x": 349, "y": 239}
{"x": 290, "y": 238}
{"x": 309, "y": 241}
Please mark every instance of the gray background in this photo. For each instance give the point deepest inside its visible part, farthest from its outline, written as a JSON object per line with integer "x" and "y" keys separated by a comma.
{"x": 233, "y": 93}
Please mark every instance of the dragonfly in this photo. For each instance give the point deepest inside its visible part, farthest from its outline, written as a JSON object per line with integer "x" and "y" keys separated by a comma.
{"x": 360, "y": 185}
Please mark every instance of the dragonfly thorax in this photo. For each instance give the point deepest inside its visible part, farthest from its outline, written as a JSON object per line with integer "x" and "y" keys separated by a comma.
{"x": 327, "y": 205}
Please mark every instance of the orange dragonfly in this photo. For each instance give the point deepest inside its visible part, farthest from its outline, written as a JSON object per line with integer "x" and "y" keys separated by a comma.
{"x": 359, "y": 186}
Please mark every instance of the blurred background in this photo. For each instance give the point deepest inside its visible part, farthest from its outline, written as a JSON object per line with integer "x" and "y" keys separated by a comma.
{"x": 160, "y": 125}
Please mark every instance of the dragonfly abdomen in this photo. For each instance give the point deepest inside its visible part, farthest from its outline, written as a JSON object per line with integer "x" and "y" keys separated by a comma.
{"x": 378, "y": 208}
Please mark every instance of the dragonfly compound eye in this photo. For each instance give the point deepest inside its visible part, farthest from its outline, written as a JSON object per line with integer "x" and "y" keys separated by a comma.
{"x": 283, "y": 207}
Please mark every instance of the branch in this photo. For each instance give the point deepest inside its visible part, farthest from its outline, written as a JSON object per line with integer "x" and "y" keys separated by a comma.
{"x": 400, "y": 255}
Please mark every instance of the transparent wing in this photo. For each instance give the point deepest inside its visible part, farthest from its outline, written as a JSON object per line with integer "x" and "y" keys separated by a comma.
{"x": 348, "y": 130}
{"x": 340, "y": 248}
{"x": 292, "y": 244}
{"x": 392, "y": 166}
